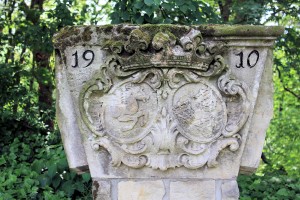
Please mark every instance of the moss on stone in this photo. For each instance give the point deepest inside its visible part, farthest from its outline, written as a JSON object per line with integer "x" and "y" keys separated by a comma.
{"x": 140, "y": 35}
{"x": 160, "y": 40}
{"x": 72, "y": 35}
{"x": 106, "y": 29}
{"x": 162, "y": 37}
{"x": 127, "y": 29}
{"x": 171, "y": 35}
{"x": 240, "y": 30}
{"x": 87, "y": 34}
{"x": 114, "y": 45}
{"x": 66, "y": 37}
{"x": 172, "y": 30}
{"x": 66, "y": 32}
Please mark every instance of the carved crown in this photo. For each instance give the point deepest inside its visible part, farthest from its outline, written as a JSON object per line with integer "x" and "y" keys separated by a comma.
{"x": 164, "y": 49}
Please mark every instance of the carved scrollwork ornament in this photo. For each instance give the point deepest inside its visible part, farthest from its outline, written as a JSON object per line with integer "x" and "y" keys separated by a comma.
{"x": 168, "y": 102}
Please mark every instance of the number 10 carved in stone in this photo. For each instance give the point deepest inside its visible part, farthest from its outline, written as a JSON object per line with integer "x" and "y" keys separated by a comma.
{"x": 253, "y": 53}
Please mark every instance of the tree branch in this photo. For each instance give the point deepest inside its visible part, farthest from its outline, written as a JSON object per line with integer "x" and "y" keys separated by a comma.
{"x": 283, "y": 85}
{"x": 291, "y": 92}
{"x": 264, "y": 159}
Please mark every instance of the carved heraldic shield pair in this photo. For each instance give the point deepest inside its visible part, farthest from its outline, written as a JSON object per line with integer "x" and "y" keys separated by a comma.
{"x": 163, "y": 101}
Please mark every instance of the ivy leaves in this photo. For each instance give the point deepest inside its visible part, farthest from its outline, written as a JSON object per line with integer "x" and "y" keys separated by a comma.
{"x": 47, "y": 177}
{"x": 165, "y": 12}
{"x": 272, "y": 186}
{"x": 151, "y": 2}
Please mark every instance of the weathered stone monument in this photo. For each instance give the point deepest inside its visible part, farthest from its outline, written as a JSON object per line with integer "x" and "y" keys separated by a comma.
{"x": 164, "y": 112}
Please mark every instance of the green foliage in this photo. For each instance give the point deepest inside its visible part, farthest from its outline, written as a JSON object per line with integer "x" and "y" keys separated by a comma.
{"x": 269, "y": 187}
{"x": 32, "y": 161}
{"x": 283, "y": 140}
{"x": 165, "y": 12}
{"x": 248, "y": 12}
{"x": 34, "y": 165}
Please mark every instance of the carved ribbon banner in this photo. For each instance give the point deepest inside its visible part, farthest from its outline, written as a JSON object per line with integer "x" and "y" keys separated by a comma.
{"x": 165, "y": 102}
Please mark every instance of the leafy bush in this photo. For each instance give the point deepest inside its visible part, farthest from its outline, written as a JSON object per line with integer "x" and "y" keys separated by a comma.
{"x": 34, "y": 166}
{"x": 274, "y": 186}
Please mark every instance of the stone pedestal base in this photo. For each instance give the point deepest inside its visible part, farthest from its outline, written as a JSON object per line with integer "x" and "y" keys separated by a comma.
{"x": 165, "y": 189}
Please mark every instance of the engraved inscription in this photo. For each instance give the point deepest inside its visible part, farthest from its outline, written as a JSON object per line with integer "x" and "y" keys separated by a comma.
{"x": 241, "y": 55}
{"x": 87, "y": 55}
{"x": 253, "y": 54}
{"x": 76, "y": 59}
{"x": 90, "y": 58}
{"x": 252, "y": 59}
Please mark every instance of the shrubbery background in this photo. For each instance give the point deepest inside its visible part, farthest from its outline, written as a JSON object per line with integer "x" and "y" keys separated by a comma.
{"x": 32, "y": 160}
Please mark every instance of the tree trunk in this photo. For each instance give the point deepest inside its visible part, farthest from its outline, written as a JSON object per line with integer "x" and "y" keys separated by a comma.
{"x": 42, "y": 61}
{"x": 225, "y": 8}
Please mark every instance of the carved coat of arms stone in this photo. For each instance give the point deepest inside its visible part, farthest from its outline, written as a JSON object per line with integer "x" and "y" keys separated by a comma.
{"x": 164, "y": 101}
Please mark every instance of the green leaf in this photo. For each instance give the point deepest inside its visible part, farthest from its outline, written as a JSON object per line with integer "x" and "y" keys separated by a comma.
{"x": 149, "y": 2}
{"x": 2, "y": 160}
{"x": 56, "y": 181}
{"x": 37, "y": 166}
{"x": 79, "y": 186}
{"x": 192, "y": 8}
{"x": 62, "y": 165}
{"x": 125, "y": 16}
{"x": 44, "y": 181}
{"x": 167, "y": 6}
{"x": 149, "y": 11}
{"x": 138, "y": 5}
{"x": 52, "y": 170}
{"x": 68, "y": 187}
{"x": 168, "y": 21}
{"x": 183, "y": 8}
{"x": 157, "y": 2}
{"x": 86, "y": 177}
{"x": 179, "y": 2}
{"x": 283, "y": 192}
{"x": 139, "y": 20}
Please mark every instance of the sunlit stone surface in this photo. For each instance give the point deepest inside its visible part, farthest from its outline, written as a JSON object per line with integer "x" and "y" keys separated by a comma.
{"x": 164, "y": 111}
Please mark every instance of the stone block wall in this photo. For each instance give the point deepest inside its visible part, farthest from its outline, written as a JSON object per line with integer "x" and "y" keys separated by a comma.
{"x": 165, "y": 189}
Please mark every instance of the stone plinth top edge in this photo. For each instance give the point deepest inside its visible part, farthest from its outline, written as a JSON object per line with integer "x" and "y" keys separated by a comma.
{"x": 241, "y": 30}
{"x": 206, "y": 30}
{"x": 95, "y": 35}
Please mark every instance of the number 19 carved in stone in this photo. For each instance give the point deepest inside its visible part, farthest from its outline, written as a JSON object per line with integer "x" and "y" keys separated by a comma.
{"x": 85, "y": 53}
